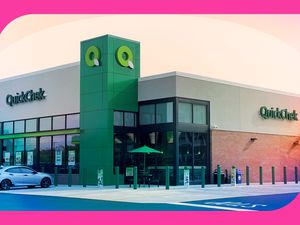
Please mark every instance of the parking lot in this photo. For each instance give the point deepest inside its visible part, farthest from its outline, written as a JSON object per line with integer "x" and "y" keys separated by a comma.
{"x": 239, "y": 198}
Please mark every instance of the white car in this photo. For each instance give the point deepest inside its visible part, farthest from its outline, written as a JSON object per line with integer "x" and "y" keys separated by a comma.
{"x": 17, "y": 176}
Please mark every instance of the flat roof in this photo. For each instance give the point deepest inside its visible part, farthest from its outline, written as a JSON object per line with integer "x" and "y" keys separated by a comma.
{"x": 214, "y": 80}
{"x": 47, "y": 70}
{"x": 159, "y": 76}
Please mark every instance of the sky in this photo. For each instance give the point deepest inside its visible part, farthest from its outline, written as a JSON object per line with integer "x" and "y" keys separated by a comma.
{"x": 258, "y": 50}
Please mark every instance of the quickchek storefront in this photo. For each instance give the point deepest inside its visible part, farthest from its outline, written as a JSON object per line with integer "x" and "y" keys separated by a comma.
{"x": 89, "y": 115}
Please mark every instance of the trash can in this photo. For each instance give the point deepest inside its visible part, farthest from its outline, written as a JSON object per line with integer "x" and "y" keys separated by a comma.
{"x": 238, "y": 176}
{"x": 216, "y": 177}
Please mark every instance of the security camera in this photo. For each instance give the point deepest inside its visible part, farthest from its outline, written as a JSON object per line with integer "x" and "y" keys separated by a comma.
{"x": 214, "y": 126}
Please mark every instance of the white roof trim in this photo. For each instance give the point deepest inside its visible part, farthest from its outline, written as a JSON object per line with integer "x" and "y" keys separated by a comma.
{"x": 214, "y": 80}
{"x": 61, "y": 67}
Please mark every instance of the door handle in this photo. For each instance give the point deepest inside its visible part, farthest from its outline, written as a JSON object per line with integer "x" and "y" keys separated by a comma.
{"x": 26, "y": 175}
{"x": 11, "y": 174}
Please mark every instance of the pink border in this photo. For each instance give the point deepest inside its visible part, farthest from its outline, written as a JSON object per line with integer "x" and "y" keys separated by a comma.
{"x": 12, "y": 9}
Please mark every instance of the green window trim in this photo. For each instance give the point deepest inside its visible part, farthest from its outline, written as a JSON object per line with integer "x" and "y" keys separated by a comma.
{"x": 40, "y": 134}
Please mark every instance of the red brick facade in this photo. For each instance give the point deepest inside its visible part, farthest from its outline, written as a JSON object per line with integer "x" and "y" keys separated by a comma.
{"x": 236, "y": 148}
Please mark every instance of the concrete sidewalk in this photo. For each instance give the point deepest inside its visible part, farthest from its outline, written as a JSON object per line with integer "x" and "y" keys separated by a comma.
{"x": 153, "y": 194}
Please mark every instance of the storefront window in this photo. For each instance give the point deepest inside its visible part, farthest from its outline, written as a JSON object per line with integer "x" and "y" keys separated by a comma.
{"x": 73, "y": 121}
{"x": 45, "y": 124}
{"x": 73, "y": 152}
{"x": 185, "y": 112}
{"x": 164, "y": 112}
{"x": 58, "y": 143}
{"x": 118, "y": 118}
{"x": 19, "y": 151}
{"x": 147, "y": 114}
{"x": 129, "y": 118}
{"x": 31, "y": 153}
{"x": 59, "y": 122}
{"x": 185, "y": 149}
{"x": 31, "y": 125}
{"x": 7, "y": 152}
{"x": 199, "y": 114}
{"x": 19, "y": 126}
{"x": 1, "y": 130}
{"x": 8, "y": 127}
{"x": 45, "y": 153}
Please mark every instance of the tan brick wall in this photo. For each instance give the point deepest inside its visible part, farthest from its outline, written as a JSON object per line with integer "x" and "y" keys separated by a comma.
{"x": 235, "y": 148}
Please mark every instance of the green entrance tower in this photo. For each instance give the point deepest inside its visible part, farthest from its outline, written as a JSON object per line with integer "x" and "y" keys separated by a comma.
{"x": 109, "y": 72}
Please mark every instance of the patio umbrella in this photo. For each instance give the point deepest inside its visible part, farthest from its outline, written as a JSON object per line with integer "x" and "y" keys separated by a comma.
{"x": 145, "y": 150}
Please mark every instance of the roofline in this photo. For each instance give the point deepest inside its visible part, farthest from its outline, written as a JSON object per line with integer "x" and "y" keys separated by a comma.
{"x": 47, "y": 70}
{"x": 214, "y": 80}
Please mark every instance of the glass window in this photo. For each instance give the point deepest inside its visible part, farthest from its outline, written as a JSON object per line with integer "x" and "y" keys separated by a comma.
{"x": 59, "y": 150}
{"x": 45, "y": 123}
{"x": 129, "y": 119}
{"x": 19, "y": 126}
{"x": 19, "y": 151}
{"x": 7, "y": 151}
{"x": 14, "y": 170}
{"x": 45, "y": 153}
{"x": 73, "y": 152}
{"x": 59, "y": 122}
{"x": 185, "y": 112}
{"x": 147, "y": 114}
{"x": 73, "y": 121}
{"x": 118, "y": 118}
{"x": 8, "y": 127}
{"x": 1, "y": 129}
{"x": 199, "y": 114}
{"x": 26, "y": 170}
{"x": 185, "y": 148}
{"x": 164, "y": 112}
{"x": 31, "y": 153}
{"x": 31, "y": 125}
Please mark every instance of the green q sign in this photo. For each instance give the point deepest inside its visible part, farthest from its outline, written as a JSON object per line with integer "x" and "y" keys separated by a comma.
{"x": 92, "y": 56}
{"x": 125, "y": 57}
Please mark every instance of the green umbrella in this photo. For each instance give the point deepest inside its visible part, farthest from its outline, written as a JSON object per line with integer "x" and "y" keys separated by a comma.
{"x": 145, "y": 150}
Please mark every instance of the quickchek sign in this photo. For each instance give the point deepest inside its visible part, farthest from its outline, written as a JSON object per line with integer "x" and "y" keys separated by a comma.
{"x": 277, "y": 113}
{"x": 25, "y": 96}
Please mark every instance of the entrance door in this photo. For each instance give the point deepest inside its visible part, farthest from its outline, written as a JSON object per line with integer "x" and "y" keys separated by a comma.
{"x": 193, "y": 154}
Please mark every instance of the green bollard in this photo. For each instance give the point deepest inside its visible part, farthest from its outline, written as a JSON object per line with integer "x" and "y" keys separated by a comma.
{"x": 219, "y": 175}
{"x": 69, "y": 177}
{"x": 203, "y": 177}
{"x": 55, "y": 176}
{"x": 247, "y": 175}
{"x": 84, "y": 177}
{"x": 135, "y": 177}
{"x": 117, "y": 170}
{"x": 296, "y": 175}
{"x": 167, "y": 178}
{"x": 284, "y": 175}
{"x": 273, "y": 175}
{"x": 260, "y": 175}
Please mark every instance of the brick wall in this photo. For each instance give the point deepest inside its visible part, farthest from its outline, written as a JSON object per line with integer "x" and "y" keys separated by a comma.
{"x": 235, "y": 148}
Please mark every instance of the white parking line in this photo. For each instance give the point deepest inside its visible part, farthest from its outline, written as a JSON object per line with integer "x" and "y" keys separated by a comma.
{"x": 209, "y": 206}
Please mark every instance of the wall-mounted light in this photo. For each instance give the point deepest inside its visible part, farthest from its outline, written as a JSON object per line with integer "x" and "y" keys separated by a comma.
{"x": 253, "y": 139}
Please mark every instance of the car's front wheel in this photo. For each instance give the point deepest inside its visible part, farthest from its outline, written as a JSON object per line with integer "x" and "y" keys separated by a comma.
{"x": 46, "y": 182}
{"x": 5, "y": 184}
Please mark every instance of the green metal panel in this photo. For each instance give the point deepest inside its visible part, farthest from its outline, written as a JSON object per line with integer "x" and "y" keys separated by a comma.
{"x": 110, "y": 86}
{"x": 40, "y": 134}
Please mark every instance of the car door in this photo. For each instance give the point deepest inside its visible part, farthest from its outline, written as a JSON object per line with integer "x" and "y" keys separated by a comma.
{"x": 30, "y": 177}
{"x": 15, "y": 175}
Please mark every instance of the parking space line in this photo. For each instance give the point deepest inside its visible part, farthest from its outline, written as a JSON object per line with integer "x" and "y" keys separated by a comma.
{"x": 209, "y": 206}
